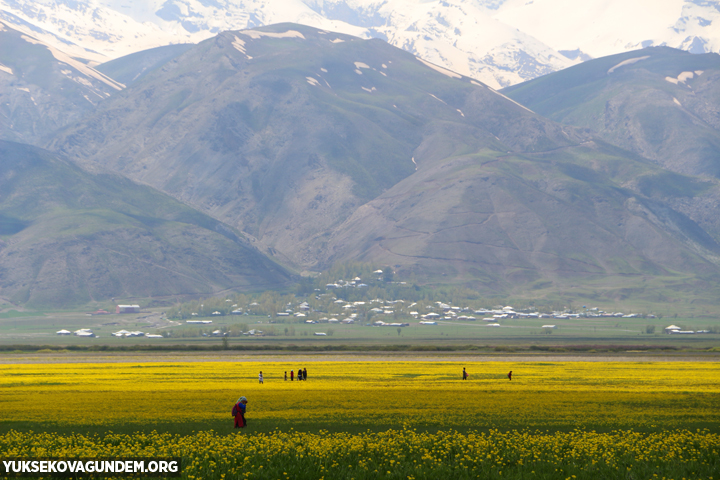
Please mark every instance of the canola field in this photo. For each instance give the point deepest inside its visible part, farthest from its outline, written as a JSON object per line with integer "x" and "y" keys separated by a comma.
{"x": 377, "y": 419}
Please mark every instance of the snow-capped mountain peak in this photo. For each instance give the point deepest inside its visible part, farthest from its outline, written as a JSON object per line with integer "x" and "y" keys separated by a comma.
{"x": 500, "y": 42}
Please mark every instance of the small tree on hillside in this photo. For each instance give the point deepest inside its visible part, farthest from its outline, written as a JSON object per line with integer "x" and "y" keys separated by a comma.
{"x": 387, "y": 274}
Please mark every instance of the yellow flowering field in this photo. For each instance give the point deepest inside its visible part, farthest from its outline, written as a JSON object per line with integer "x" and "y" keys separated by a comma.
{"x": 563, "y": 394}
{"x": 375, "y": 419}
{"x": 400, "y": 454}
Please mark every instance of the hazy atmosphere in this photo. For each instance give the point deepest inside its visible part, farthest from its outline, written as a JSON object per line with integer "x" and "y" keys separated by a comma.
{"x": 481, "y": 236}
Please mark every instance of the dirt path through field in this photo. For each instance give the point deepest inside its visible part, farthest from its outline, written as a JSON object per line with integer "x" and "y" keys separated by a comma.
{"x": 294, "y": 357}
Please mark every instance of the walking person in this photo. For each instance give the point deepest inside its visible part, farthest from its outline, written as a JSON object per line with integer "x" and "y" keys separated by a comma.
{"x": 300, "y": 374}
{"x": 510, "y": 375}
{"x": 304, "y": 373}
{"x": 260, "y": 377}
{"x": 238, "y": 412}
{"x": 286, "y": 375}
{"x": 465, "y": 374}
{"x": 292, "y": 375}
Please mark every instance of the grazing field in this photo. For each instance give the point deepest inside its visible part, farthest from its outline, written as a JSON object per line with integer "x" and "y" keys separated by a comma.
{"x": 382, "y": 419}
{"x": 40, "y": 330}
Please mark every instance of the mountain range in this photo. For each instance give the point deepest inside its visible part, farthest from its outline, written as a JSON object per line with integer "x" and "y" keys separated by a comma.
{"x": 499, "y": 42}
{"x": 328, "y": 148}
{"x": 314, "y": 148}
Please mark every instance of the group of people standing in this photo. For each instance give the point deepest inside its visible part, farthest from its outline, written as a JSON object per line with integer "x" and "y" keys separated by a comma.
{"x": 301, "y": 374}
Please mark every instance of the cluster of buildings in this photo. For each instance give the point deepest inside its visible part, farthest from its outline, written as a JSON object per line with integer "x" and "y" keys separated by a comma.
{"x": 136, "y": 333}
{"x": 355, "y": 282}
{"x": 456, "y": 313}
{"x": 119, "y": 309}
{"x": 372, "y": 312}
{"x": 303, "y": 308}
{"x": 215, "y": 333}
{"x": 86, "y": 332}
{"x": 380, "y": 323}
{"x": 83, "y": 332}
{"x": 675, "y": 330}
{"x": 349, "y": 320}
{"x": 438, "y": 311}
{"x": 451, "y": 313}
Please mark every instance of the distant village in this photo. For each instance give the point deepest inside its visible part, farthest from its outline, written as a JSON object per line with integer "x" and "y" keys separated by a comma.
{"x": 119, "y": 310}
{"x": 324, "y": 306}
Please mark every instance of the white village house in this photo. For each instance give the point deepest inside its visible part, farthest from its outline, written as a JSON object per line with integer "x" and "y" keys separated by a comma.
{"x": 127, "y": 309}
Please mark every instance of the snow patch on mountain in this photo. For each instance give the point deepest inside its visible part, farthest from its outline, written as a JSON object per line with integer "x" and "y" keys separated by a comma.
{"x": 499, "y": 42}
{"x": 459, "y": 35}
{"x": 254, "y": 34}
{"x": 513, "y": 101}
{"x": 682, "y": 78}
{"x": 86, "y": 28}
{"x": 629, "y": 61}
{"x": 79, "y": 66}
{"x": 444, "y": 71}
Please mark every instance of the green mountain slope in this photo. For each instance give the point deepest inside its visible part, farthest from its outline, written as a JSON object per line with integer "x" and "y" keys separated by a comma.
{"x": 661, "y": 103}
{"x": 68, "y": 237}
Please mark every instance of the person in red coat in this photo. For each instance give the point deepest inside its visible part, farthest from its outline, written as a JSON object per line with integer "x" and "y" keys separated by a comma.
{"x": 239, "y": 412}
{"x": 510, "y": 375}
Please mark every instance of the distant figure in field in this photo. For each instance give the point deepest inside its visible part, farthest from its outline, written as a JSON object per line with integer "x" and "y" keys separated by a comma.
{"x": 465, "y": 374}
{"x": 292, "y": 375}
{"x": 260, "y": 378}
{"x": 286, "y": 375}
{"x": 510, "y": 375}
{"x": 300, "y": 374}
{"x": 304, "y": 373}
{"x": 238, "y": 412}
